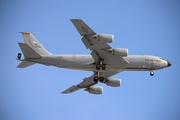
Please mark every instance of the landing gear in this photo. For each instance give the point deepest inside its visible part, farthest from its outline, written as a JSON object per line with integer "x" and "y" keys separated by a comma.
{"x": 98, "y": 66}
{"x": 98, "y": 78}
{"x": 101, "y": 79}
{"x": 101, "y": 65}
{"x": 151, "y": 72}
{"x": 19, "y": 56}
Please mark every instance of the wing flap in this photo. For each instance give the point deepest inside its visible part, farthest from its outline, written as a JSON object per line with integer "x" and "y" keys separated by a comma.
{"x": 93, "y": 44}
{"x": 95, "y": 56}
{"x": 86, "y": 42}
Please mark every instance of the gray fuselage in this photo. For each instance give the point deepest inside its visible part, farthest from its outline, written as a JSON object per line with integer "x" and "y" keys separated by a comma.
{"x": 86, "y": 62}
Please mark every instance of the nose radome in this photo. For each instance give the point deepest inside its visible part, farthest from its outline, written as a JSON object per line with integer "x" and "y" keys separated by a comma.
{"x": 168, "y": 64}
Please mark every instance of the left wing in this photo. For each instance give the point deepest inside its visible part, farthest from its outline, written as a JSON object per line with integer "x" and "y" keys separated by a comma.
{"x": 85, "y": 31}
{"x": 97, "y": 43}
{"x": 82, "y": 28}
{"x": 88, "y": 82}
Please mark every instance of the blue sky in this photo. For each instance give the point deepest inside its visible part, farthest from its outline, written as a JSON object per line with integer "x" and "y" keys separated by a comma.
{"x": 149, "y": 27}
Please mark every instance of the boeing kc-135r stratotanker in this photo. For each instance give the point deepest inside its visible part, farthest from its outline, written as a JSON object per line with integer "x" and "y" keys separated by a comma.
{"x": 104, "y": 61}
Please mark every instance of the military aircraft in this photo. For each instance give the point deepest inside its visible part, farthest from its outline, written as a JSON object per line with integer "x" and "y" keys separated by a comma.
{"x": 104, "y": 61}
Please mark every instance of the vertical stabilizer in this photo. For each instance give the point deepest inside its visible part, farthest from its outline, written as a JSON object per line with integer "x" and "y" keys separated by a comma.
{"x": 28, "y": 52}
{"x": 34, "y": 43}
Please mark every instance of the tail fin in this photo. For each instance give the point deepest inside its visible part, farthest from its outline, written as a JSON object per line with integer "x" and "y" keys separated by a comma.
{"x": 28, "y": 52}
{"x": 34, "y": 43}
{"x": 32, "y": 49}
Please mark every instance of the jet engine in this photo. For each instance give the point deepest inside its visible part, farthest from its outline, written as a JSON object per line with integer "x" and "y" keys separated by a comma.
{"x": 119, "y": 51}
{"x": 113, "y": 82}
{"x": 95, "y": 89}
{"x": 107, "y": 38}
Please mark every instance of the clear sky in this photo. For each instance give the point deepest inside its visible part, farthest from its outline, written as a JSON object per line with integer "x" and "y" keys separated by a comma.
{"x": 150, "y": 27}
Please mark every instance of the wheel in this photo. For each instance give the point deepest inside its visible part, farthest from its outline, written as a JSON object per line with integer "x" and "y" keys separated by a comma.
{"x": 101, "y": 79}
{"x": 104, "y": 66}
{"x": 19, "y": 56}
{"x": 98, "y": 66}
{"x": 96, "y": 78}
{"x": 151, "y": 73}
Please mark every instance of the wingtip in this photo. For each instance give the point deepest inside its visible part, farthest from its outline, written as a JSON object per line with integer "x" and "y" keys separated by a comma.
{"x": 63, "y": 92}
{"x": 75, "y": 19}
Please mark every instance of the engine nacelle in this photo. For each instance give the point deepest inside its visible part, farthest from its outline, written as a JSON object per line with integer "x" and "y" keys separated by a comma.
{"x": 119, "y": 51}
{"x": 113, "y": 82}
{"x": 107, "y": 38}
{"x": 95, "y": 89}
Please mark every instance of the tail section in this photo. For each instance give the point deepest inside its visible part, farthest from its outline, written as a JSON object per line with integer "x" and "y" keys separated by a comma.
{"x": 28, "y": 52}
{"x": 34, "y": 43}
{"x": 32, "y": 49}
{"x": 25, "y": 64}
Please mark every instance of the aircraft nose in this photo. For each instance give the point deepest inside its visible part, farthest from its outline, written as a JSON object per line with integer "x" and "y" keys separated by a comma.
{"x": 168, "y": 64}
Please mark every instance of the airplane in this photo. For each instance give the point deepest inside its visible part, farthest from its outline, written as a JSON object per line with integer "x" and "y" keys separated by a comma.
{"x": 104, "y": 61}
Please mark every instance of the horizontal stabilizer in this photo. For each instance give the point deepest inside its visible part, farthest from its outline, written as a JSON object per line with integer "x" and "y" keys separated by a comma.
{"x": 71, "y": 89}
{"x": 28, "y": 52}
{"x": 25, "y": 64}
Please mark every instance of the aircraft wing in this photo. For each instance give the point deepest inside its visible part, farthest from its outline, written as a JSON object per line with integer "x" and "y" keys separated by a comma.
{"x": 84, "y": 30}
{"x": 98, "y": 48}
{"x": 87, "y": 82}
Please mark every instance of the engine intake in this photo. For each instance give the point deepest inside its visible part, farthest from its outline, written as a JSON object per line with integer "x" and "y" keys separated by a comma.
{"x": 95, "y": 89}
{"x": 119, "y": 51}
{"x": 107, "y": 38}
{"x": 113, "y": 82}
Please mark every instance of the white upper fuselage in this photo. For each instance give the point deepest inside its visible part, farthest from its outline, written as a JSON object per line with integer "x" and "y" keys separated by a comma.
{"x": 86, "y": 62}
